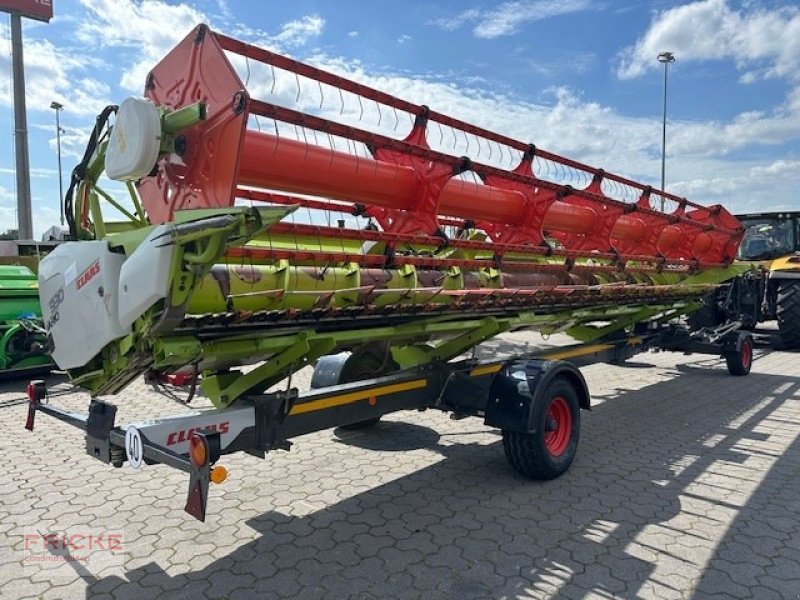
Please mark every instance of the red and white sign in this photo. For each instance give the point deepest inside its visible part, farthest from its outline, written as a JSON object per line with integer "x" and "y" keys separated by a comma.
{"x": 88, "y": 274}
{"x": 41, "y": 10}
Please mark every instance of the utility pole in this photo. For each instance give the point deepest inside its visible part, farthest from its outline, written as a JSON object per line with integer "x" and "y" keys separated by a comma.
{"x": 41, "y": 10}
{"x": 24, "y": 218}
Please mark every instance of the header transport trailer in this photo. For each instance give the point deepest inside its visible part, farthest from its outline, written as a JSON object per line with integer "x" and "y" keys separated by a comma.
{"x": 332, "y": 224}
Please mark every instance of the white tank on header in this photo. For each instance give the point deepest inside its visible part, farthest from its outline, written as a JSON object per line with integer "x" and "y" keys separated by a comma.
{"x": 135, "y": 141}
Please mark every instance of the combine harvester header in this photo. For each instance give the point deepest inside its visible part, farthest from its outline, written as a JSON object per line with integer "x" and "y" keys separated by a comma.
{"x": 327, "y": 216}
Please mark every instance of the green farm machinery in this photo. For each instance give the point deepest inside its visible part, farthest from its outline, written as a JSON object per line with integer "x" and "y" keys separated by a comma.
{"x": 332, "y": 224}
{"x": 23, "y": 345}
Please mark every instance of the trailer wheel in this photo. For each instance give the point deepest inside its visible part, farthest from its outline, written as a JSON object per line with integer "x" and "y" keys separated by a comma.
{"x": 740, "y": 361}
{"x": 788, "y": 313}
{"x": 549, "y": 450}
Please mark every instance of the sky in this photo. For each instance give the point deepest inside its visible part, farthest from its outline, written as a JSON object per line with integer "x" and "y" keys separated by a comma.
{"x": 576, "y": 77}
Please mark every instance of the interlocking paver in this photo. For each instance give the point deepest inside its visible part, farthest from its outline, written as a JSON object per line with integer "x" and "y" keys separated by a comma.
{"x": 685, "y": 486}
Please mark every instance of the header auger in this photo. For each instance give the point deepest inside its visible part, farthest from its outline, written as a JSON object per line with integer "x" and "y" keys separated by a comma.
{"x": 334, "y": 224}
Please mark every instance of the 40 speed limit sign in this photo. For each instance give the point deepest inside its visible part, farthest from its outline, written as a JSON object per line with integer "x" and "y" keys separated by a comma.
{"x": 134, "y": 447}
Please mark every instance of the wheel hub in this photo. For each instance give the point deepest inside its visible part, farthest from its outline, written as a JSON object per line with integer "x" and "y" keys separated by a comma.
{"x": 558, "y": 426}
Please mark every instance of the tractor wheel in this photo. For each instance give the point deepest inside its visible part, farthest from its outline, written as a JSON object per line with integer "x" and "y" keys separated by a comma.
{"x": 788, "y": 313}
{"x": 549, "y": 450}
{"x": 371, "y": 361}
{"x": 740, "y": 361}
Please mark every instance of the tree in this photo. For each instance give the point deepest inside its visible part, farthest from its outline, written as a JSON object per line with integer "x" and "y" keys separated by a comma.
{"x": 10, "y": 234}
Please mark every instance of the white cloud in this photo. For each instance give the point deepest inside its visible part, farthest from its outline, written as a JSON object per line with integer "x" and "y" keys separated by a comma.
{"x": 39, "y": 173}
{"x": 778, "y": 168}
{"x": 8, "y": 218}
{"x": 225, "y": 9}
{"x": 459, "y": 20}
{"x": 754, "y": 178}
{"x": 742, "y": 187}
{"x": 43, "y": 215}
{"x": 557, "y": 66}
{"x": 7, "y": 195}
{"x": 352, "y": 34}
{"x": 55, "y": 73}
{"x": 73, "y": 144}
{"x": 746, "y": 129}
{"x": 403, "y": 39}
{"x": 148, "y": 30}
{"x": 507, "y": 18}
{"x": 793, "y": 100}
{"x": 297, "y": 33}
{"x": 762, "y": 43}
{"x": 288, "y": 39}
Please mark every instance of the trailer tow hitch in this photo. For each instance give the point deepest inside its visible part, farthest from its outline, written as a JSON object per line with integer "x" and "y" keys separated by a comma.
{"x": 114, "y": 445}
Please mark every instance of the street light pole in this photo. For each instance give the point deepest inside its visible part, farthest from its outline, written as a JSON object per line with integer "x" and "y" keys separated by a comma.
{"x": 666, "y": 58}
{"x": 58, "y": 107}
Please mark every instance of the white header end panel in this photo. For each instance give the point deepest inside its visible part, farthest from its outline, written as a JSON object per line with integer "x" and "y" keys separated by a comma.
{"x": 78, "y": 285}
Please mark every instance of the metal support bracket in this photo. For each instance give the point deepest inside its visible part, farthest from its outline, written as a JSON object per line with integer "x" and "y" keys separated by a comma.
{"x": 223, "y": 388}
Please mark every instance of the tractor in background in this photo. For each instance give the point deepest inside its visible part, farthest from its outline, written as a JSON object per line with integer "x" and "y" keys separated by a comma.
{"x": 770, "y": 292}
{"x": 773, "y": 239}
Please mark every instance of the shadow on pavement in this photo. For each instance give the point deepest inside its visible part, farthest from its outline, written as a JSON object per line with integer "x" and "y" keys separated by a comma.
{"x": 469, "y": 527}
{"x": 389, "y": 436}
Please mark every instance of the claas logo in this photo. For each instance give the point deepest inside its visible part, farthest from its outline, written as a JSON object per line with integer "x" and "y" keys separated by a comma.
{"x": 88, "y": 274}
{"x": 176, "y": 437}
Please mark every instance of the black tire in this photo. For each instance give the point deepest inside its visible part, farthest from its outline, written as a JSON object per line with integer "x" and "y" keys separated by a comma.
{"x": 741, "y": 361}
{"x": 531, "y": 454}
{"x": 366, "y": 363}
{"x": 788, "y": 313}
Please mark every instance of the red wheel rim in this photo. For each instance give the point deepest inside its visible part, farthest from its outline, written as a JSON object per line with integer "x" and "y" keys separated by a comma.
{"x": 557, "y": 426}
{"x": 746, "y": 354}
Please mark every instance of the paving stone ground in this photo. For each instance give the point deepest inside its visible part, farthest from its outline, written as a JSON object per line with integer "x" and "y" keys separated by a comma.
{"x": 685, "y": 486}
